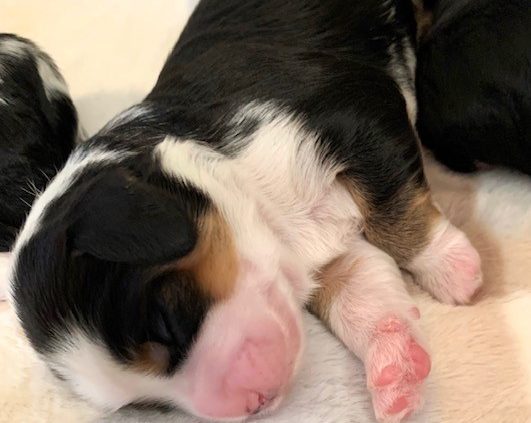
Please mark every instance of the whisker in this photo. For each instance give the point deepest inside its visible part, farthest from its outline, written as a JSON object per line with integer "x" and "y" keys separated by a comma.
{"x": 27, "y": 191}
{"x": 48, "y": 178}
{"x": 34, "y": 190}
{"x": 25, "y": 202}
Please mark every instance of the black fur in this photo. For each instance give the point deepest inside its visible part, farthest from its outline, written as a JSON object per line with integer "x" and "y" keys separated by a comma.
{"x": 325, "y": 61}
{"x": 474, "y": 84}
{"x": 96, "y": 262}
{"x": 161, "y": 228}
{"x": 36, "y": 134}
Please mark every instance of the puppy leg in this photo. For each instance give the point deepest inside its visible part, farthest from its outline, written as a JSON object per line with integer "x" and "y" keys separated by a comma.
{"x": 401, "y": 219}
{"x": 364, "y": 302}
{"x": 382, "y": 169}
{"x": 424, "y": 242}
{"x": 448, "y": 266}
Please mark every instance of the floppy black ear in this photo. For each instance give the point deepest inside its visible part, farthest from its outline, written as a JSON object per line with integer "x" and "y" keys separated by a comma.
{"x": 122, "y": 219}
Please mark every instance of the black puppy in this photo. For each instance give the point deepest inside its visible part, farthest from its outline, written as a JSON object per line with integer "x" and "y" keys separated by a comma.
{"x": 474, "y": 84}
{"x": 38, "y": 127}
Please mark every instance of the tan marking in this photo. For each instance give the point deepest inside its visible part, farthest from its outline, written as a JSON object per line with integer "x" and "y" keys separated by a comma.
{"x": 151, "y": 358}
{"x": 332, "y": 278}
{"x": 424, "y": 18}
{"x": 402, "y": 231}
{"x": 213, "y": 263}
{"x": 211, "y": 266}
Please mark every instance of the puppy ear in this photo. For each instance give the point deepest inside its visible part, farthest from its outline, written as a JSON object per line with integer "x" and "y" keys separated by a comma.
{"x": 122, "y": 219}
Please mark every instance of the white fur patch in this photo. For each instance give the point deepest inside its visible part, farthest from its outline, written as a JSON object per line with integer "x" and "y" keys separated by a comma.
{"x": 128, "y": 115}
{"x": 94, "y": 375}
{"x": 14, "y": 47}
{"x": 52, "y": 80}
{"x": 277, "y": 178}
{"x": 449, "y": 267}
{"x": 402, "y": 69}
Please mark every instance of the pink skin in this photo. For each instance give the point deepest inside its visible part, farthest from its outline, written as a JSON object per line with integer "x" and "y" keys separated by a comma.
{"x": 246, "y": 355}
{"x": 449, "y": 267}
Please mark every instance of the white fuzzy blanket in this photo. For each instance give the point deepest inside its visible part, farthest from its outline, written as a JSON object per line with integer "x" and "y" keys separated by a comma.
{"x": 110, "y": 52}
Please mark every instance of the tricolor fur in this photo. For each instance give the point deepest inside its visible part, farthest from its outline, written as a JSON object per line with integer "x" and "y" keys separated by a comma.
{"x": 272, "y": 167}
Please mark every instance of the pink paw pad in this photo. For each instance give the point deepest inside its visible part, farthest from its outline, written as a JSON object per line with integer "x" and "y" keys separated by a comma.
{"x": 389, "y": 374}
{"x": 396, "y": 367}
{"x": 421, "y": 361}
{"x": 399, "y": 405}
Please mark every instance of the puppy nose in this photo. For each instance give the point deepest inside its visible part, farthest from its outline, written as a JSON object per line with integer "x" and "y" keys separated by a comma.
{"x": 260, "y": 403}
{"x": 259, "y": 367}
{"x": 259, "y": 372}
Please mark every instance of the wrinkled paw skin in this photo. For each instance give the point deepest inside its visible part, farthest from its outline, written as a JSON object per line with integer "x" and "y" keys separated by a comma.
{"x": 396, "y": 367}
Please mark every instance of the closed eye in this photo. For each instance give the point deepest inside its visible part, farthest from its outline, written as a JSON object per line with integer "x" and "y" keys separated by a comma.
{"x": 150, "y": 405}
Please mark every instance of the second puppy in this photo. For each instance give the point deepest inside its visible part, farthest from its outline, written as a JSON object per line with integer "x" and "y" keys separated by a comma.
{"x": 474, "y": 84}
{"x": 38, "y": 129}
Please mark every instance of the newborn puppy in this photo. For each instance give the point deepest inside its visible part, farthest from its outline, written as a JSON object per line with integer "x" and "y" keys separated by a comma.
{"x": 273, "y": 166}
{"x": 474, "y": 84}
{"x": 38, "y": 126}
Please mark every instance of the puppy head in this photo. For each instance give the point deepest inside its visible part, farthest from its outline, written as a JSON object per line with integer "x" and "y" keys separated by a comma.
{"x": 38, "y": 129}
{"x": 138, "y": 289}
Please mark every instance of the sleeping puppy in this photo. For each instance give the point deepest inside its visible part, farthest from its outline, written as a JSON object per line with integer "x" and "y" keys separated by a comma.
{"x": 38, "y": 126}
{"x": 273, "y": 166}
{"x": 474, "y": 84}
